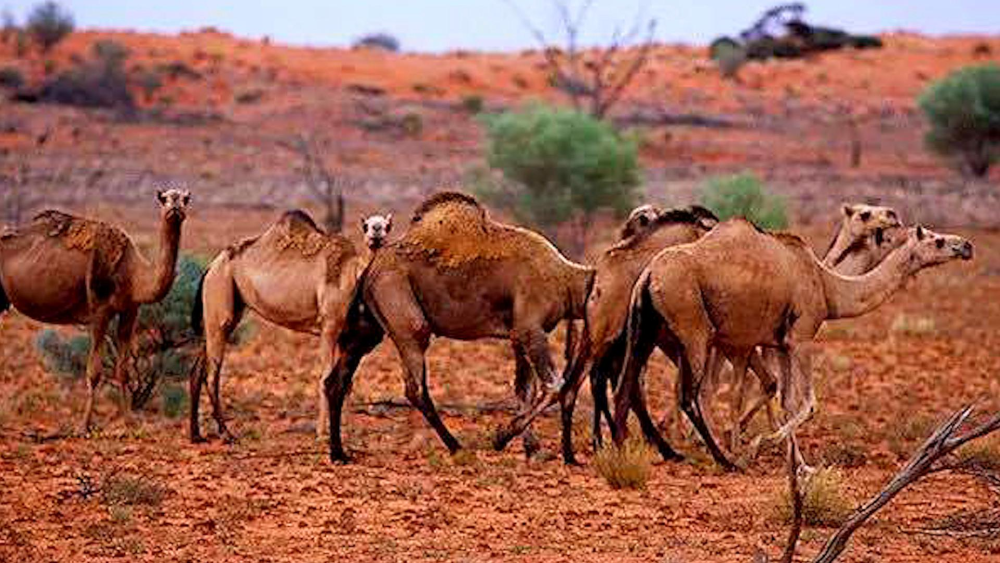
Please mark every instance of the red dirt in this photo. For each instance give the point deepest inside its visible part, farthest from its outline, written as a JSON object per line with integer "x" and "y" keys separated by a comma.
{"x": 274, "y": 497}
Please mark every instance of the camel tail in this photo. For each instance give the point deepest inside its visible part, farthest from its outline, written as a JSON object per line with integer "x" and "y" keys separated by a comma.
{"x": 197, "y": 310}
{"x": 633, "y": 325}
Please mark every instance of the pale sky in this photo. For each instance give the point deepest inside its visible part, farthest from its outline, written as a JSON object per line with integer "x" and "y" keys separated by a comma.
{"x": 440, "y": 25}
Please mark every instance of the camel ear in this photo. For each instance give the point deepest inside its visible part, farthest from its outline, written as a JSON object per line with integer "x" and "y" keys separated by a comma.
{"x": 388, "y": 222}
{"x": 921, "y": 233}
{"x": 848, "y": 210}
{"x": 161, "y": 197}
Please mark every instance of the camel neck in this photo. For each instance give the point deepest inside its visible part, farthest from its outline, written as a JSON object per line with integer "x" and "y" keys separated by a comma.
{"x": 853, "y": 296}
{"x": 154, "y": 280}
{"x": 840, "y": 245}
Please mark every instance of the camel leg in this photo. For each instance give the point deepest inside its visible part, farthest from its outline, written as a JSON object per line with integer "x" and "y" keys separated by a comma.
{"x": 740, "y": 380}
{"x": 525, "y": 390}
{"x": 533, "y": 341}
{"x": 98, "y": 330}
{"x": 567, "y": 396}
{"x": 624, "y": 394}
{"x": 195, "y": 380}
{"x": 123, "y": 340}
{"x": 603, "y": 373}
{"x": 350, "y": 350}
{"x": 692, "y": 369}
{"x": 417, "y": 391}
{"x": 332, "y": 325}
{"x": 649, "y": 429}
{"x": 769, "y": 388}
{"x": 222, "y": 311}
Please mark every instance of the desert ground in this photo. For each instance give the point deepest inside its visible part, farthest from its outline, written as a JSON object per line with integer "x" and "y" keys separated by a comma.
{"x": 883, "y": 380}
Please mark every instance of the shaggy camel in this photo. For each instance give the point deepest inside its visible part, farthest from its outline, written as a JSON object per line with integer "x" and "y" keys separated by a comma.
{"x": 293, "y": 275}
{"x": 738, "y": 288}
{"x": 458, "y": 274}
{"x": 646, "y": 232}
{"x": 620, "y": 266}
{"x": 62, "y": 269}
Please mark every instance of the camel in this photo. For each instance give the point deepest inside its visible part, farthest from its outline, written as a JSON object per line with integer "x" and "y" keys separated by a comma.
{"x": 646, "y": 232}
{"x": 459, "y": 274}
{"x": 376, "y": 229}
{"x": 293, "y": 275}
{"x": 62, "y": 269}
{"x": 620, "y": 266}
{"x": 738, "y": 288}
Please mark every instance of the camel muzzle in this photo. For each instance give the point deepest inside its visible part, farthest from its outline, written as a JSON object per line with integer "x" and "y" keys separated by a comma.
{"x": 964, "y": 250}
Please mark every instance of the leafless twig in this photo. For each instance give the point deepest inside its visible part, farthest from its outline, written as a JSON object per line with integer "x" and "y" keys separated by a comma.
{"x": 323, "y": 186}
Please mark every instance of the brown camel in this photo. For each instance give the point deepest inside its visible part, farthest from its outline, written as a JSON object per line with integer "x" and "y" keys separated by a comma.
{"x": 620, "y": 266}
{"x": 738, "y": 288}
{"x": 293, "y": 275}
{"x": 62, "y": 269}
{"x": 646, "y": 232}
{"x": 459, "y": 274}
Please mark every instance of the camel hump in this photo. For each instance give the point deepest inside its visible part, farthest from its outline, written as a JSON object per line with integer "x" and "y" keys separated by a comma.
{"x": 448, "y": 200}
{"x": 299, "y": 219}
{"x": 106, "y": 242}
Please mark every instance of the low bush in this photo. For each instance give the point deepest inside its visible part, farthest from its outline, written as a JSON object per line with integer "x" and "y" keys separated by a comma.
{"x": 11, "y": 77}
{"x": 627, "y": 466}
{"x": 473, "y": 103}
{"x": 381, "y": 40}
{"x": 99, "y": 82}
{"x": 48, "y": 24}
{"x": 824, "y": 500}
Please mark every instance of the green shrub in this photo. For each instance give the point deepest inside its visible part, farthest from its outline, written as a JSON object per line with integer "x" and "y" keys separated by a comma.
{"x": 626, "y": 466}
{"x": 412, "y": 124}
{"x": 149, "y": 81}
{"x": 164, "y": 347}
{"x": 48, "y": 23}
{"x": 743, "y": 195}
{"x": 728, "y": 55}
{"x": 560, "y": 165}
{"x": 11, "y": 77}
{"x": 963, "y": 110}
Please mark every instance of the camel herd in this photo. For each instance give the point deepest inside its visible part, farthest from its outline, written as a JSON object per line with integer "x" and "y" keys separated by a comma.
{"x": 708, "y": 293}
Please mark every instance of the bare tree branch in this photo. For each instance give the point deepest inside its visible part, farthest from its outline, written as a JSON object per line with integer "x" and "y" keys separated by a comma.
{"x": 326, "y": 188}
{"x": 603, "y": 80}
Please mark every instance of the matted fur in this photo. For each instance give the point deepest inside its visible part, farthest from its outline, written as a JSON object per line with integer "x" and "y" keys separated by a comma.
{"x": 452, "y": 230}
{"x": 108, "y": 243}
{"x": 297, "y": 232}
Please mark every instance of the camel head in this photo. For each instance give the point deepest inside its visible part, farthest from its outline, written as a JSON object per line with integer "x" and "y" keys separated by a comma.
{"x": 928, "y": 248}
{"x": 639, "y": 219}
{"x": 173, "y": 204}
{"x": 862, "y": 220}
{"x": 376, "y": 229}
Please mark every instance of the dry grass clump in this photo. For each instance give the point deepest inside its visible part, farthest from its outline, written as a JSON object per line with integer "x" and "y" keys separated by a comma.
{"x": 824, "y": 500}
{"x": 626, "y": 466}
{"x": 982, "y": 454}
{"x": 125, "y": 489}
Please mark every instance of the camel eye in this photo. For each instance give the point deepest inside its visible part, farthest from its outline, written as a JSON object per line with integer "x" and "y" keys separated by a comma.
{"x": 939, "y": 242}
{"x": 643, "y": 220}
{"x": 866, "y": 215}
{"x": 891, "y": 214}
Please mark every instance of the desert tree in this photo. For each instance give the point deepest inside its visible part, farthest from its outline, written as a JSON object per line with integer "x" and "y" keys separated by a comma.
{"x": 323, "y": 186}
{"x": 593, "y": 78}
{"x": 48, "y": 23}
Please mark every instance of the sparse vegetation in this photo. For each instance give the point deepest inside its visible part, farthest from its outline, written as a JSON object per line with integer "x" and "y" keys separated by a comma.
{"x": 560, "y": 166}
{"x": 729, "y": 56}
{"x": 913, "y": 325}
{"x": 99, "y": 82}
{"x": 627, "y": 466}
{"x": 963, "y": 110}
{"x": 48, "y": 24}
{"x": 123, "y": 489}
{"x": 982, "y": 455}
{"x": 149, "y": 81}
{"x": 744, "y": 195}
{"x": 824, "y": 502}
{"x": 381, "y": 40}
{"x": 251, "y": 96}
{"x": 11, "y": 77}
{"x": 472, "y": 103}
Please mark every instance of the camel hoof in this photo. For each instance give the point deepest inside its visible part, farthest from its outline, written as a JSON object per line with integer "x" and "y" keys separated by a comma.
{"x": 340, "y": 458}
{"x": 500, "y": 440}
{"x": 571, "y": 461}
{"x": 531, "y": 446}
{"x": 198, "y": 439}
{"x": 228, "y": 438}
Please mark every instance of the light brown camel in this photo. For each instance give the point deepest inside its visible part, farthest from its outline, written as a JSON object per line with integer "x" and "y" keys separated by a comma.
{"x": 607, "y": 306}
{"x": 646, "y": 232}
{"x": 293, "y": 275}
{"x": 62, "y": 269}
{"x": 459, "y": 274}
{"x": 738, "y": 288}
